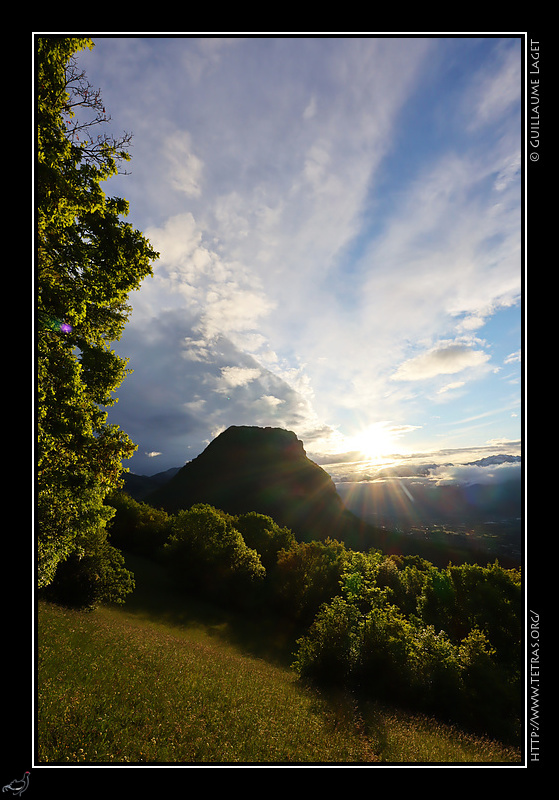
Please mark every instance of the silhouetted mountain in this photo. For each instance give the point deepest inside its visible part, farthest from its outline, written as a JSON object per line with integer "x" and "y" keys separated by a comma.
{"x": 264, "y": 470}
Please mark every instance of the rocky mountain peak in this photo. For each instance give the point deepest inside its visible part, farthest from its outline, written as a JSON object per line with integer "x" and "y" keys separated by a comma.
{"x": 258, "y": 469}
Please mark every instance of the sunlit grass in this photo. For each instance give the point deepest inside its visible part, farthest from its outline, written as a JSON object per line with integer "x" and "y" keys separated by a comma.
{"x": 116, "y": 688}
{"x": 399, "y": 737}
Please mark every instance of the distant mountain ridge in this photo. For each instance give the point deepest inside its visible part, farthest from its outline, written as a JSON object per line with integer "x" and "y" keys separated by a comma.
{"x": 408, "y": 470}
{"x": 489, "y": 461}
{"x": 139, "y": 486}
{"x": 402, "y": 504}
{"x": 404, "y": 496}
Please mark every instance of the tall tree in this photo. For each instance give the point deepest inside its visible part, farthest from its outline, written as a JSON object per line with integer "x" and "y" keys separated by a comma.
{"x": 88, "y": 261}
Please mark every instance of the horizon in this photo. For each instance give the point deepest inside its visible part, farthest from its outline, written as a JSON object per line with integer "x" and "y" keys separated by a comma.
{"x": 434, "y": 468}
{"x": 339, "y": 228}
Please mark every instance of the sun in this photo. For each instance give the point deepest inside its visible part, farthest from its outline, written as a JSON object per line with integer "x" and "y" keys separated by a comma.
{"x": 375, "y": 442}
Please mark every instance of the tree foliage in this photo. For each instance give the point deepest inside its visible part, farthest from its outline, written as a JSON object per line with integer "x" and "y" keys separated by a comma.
{"x": 88, "y": 261}
{"x": 446, "y": 641}
{"x": 207, "y": 555}
{"x": 137, "y": 527}
{"x": 307, "y": 575}
{"x": 262, "y": 534}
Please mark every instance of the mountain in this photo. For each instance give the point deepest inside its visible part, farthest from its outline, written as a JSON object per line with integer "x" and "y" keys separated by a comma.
{"x": 490, "y": 461}
{"x": 265, "y": 470}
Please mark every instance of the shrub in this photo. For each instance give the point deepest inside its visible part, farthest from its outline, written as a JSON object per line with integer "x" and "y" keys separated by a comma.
{"x": 327, "y": 652}
{"x": 491, "y": 699}
{"x": 306, "y": 576}
{"x": 93, "y": 574}
{"x": 383, "y": 646}
{"x": 207, "y": 555}
{"x": 363, "y": 640}
{"x": 435, "y": 672}
{"x": 137, "y": 527}
{"x": 262, "y": 534}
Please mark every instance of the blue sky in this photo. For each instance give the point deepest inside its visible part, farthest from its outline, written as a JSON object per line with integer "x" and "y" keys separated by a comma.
{"x": 339, "y": 222}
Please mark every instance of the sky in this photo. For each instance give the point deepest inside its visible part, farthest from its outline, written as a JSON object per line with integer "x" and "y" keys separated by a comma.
{"x": 339, "y": 222}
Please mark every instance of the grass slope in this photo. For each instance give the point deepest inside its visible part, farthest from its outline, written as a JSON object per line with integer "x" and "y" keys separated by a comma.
{"x": 166, "y": 681}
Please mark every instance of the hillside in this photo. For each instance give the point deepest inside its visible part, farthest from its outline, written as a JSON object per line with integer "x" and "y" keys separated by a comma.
{"x": 176, "y": 695}
{"x": 194, "y": 684}
{"x": 433, "y": 638}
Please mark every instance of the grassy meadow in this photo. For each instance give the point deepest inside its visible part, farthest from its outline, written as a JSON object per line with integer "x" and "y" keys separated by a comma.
{"x": 166, "y": 681}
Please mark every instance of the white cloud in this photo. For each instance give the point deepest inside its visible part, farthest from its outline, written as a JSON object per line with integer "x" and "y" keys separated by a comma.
{"x": 220, "y": 297}
{"x": 271, "y": 401}
{"x": 449, "y": 387}
{"x": 475, "y": 474}
{"x": 310, "y": 110}
{"x": 445, "y": 359}
{"x": 205, "y": 57}
{"x": 232, "y": 309}
{"x": 513, "y": 358}
{"x": 472, "y": 322}
{"x": 509, "y": 172}
{"x": 449, "y": 251}
{"x": 232, "y": 377}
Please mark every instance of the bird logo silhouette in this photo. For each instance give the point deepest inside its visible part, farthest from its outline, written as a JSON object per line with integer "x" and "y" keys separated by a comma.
{"x": 17, "y": 787}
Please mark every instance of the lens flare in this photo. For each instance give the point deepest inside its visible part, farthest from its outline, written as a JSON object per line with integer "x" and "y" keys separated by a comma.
{"x": 58, "y": 325}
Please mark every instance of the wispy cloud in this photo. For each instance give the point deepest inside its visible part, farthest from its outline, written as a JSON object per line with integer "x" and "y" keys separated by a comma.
{"x": 513, "y": 358}
{"x": 494, "y": 89}
{"x": 185, "y": 168}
